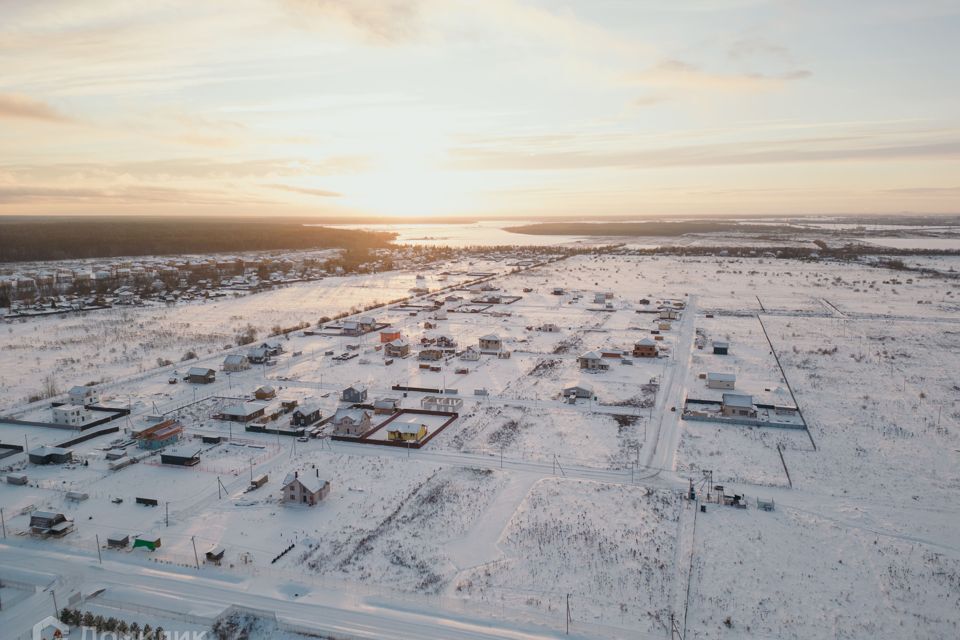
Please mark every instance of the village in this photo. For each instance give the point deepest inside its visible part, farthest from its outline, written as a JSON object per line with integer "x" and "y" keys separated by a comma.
{"x": 449, "y": 445}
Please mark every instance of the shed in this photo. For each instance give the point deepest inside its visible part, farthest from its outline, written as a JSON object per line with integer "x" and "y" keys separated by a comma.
{"x": 16, "y": 478}
{"x": 215, "y": 555}
{"x": 50, "y": 455}
{"x": 180, "y": 456}
{"x": 118, "y": 541}
{"x": 721, "y": 380}
{"x": 721, "y": 348}
{"x": 201, "y": 375}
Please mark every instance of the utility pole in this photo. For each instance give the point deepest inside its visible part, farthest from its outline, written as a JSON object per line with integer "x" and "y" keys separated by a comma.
{"x": 99, "y": 557}
{"x": 166, "y": 516}
{"x": 196, "y": 558}
{"x": 568, "y": 614}
{"x": 56, "y": 610}
{"x": 3, "y": 523}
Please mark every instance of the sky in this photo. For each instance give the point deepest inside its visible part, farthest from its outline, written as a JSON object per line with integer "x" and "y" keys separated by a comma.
{"x": 496, "y": 108}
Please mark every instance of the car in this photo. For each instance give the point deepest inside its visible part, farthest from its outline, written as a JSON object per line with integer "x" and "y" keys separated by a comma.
{"x": 172, "y": 380}
{"x": 303, "y": 439}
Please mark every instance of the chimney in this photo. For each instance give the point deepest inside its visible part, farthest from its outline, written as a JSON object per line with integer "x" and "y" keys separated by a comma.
{"x": 296, "y": 474}
{"x": 318, "y": 473}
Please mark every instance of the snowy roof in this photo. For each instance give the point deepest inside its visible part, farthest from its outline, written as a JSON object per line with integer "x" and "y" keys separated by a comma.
{"x": 585, "y": 386}
{"x": 185, "y": 451}
{"x": 647, "y": 342}
{"x": 243, "y": 409}
{"x": 80, "y": 391}
{"x": 407, "y": 427}
{"x": 722, "y": 377}
{"x": 590, "y": 355}
{"x": 737, "y": 400}
{"x": 257, "y": 352}
{"x": 356, "y": 387}
{"x": 234, "y": 358}
{"x": 310, "y": 483}
{"x": 490, "y": 336}
{"x": 350, "y": 324}
{"x": 400, "y": 342}
{"x": 265, "y": 389}
{"x": 199, "y": 371}
{"x": 719, "y": 343}
{"x": 385, "y": 402}
{"x": 308, "y": 407}
{"x": 355, "y": 415}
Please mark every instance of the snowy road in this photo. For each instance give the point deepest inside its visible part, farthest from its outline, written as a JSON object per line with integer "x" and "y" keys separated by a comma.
{"x": 184, "y": 594}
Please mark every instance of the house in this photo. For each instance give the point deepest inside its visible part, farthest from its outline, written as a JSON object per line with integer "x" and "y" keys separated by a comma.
{"x": 351, "y": 422}
{"x": 258, "y": 355}
{"x": 201, "y": 375}
{"x": 367, "y": 323}
{"x": 49, "y": 523}
{"x": 159, "y": 435}
{"x": 266, "y": 392}
{"x": 386, "y": 406}
{"x": 430, "y": 354}
{"x": 470, "y": 354}
{"x": 490, "y": 342}
{"x": 721, "y": 380}
{"x": 180, "y": 456}
{"x": 445, "y": 341}
{"x": 599, "y": 298}
{"x": 399, "y": 348}
{"x": 407, "y": 432}
{"x": 737, "y": 405}
{"x": 389, "y": 335}
{"x": 350, "y": 328}
{"x": 549, "y": 327}
{"x": 646, "y": 348}
{"x": 304, "y": 488}
{"x": 591, "y": 361}
{"x": 557, "y": 291}
{"x": 73, "y": 415}
{"x": 578, "y": 390}
{"x": 148, "y": 542}
{"x": 355, "y": 393}
{"x": 441, "y": 403}
{"x": 49, "y": 455}
{"x": 611, "y": 353}
{"x": 305, "y": 415}
{"x": 272, "y": 347}
{"x": 721, "y": 348}
{"x": 83, "y": 396}
{"x": 236, "y": 362}
{"x": 243, "y": 412}
{"x": 669, "y": 314}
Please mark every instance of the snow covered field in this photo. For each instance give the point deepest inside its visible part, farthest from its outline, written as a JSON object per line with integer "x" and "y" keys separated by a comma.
{"x": 526, "y": 498}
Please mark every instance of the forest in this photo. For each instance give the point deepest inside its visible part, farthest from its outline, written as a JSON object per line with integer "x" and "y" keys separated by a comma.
{"x": 63, "y": 238}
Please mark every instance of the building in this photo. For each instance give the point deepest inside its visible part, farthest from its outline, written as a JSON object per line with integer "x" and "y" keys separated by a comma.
{"x": 49, "y": 523}
{"x": 305, "y": 414}
{"x": 430, "y": 354}
{"x": 266, "y": 392}
{"x": 148, "y": 542}
{"x": 118, "y": 540}
{"x": 355, "y": 393}
{"x": 389, "y": 335}
{"x": 350, "y": 328}
{"x": 549, "y": 327}
{"x": 236, "y": 362}
{"x": 441, "y": 403}
{"x": 258, "y": 355}
{"x": 470, "y": 354}
{"x": 243, "y": 412}
{"x": 399, "y": 348}
{"x": 272, "y": 347}
{"x": 721, "y": 380}
{"x": 180, "y": 456}
{"x": 304, "y": 488}
{"x": 407, "y": 432}
{"x": 351, "y": 422}
{"x": 386, "y": 406}
{"x": 738, "y": 405}
{"x": 491, "y": 342}
{"x": 201, "y": 375}
{"x": 73, "y": 415}
{"x": 49, "y": 455}
{"x": 578, "y": 390}
{"x": 611, "y": 353}
{"x": 591, "y": 361}
{"x": 367, "y": 324}
{"x": 83, "y": 396}
{"x": 159, "y": 435}
{"x": 669, "y": 314}
{"x": 646, "y": 348}
{"x": 721, "y": 348}
{"x": 445, "y": 342}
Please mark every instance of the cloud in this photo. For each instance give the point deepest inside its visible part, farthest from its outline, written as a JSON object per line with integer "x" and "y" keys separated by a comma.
{"x": 809, "y": 150}
{"x": 323, "y": 193}
{"x": 18, "y": 106}
{"x": 381, "y": 21}
{"x": 678, "y": 74}
{"x": 128, "y": 195}
{"x": 648, "y": 101}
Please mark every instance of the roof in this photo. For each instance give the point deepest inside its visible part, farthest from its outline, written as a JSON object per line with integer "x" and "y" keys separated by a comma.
{"x": 350, "y": 324}
{"x": 44, "y": 450}
{"x": 185, "y": 451}
{"x": 80, "y": 390}
{"x": 199, "y": 371}
{"x": 356, "y": 387}
{"x": 385, "y": 402}
{"x": 50, "y": 515}
{"x": 407, "y": 427}
{"x": 720, "y": 343}
{"x": 591, "y": 355}
{"x": 243, "y": 409}
{"x": 258, "y": 352}
{"x": 310, "y": 482}
{"x": 722, "y": 377}
{"x": 646, "y": 342}
{"x": 738, "y": 400}
{"x": 579, "y": 385}
{"x": 308, "y": 407}
{"x": 490, "y": 336}
{"x": 400, "y": 342}
{"x": 234, "y": 358}
{"x": 265, "y": 389}
{"x": 356, "y": 415}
